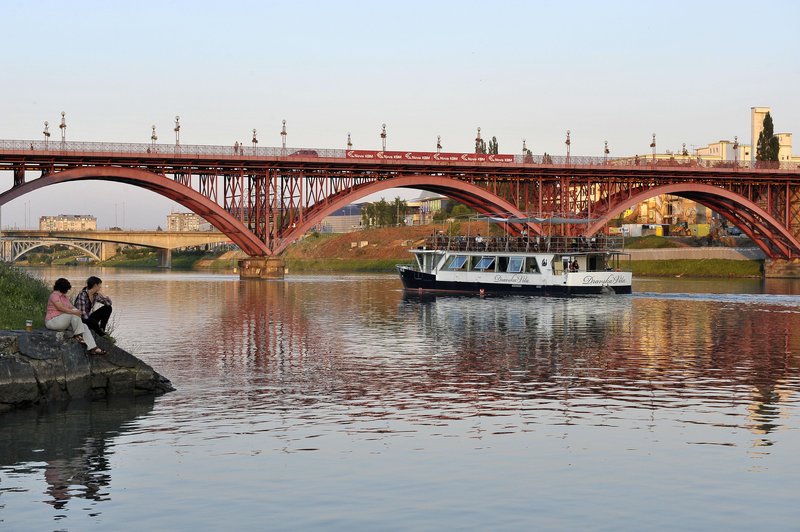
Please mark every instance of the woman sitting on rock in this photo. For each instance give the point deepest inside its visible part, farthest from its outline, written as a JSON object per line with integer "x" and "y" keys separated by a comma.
{"x": 61, "y": 315}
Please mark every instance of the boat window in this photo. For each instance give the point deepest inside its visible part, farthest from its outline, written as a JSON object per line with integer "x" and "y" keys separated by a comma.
{"x": 457, "y": 262}
{"x": 502, "y": 264}
{"x": 515, "y": 264}
{"x": 486, "y": 263}
{"x": 531, "y": 265}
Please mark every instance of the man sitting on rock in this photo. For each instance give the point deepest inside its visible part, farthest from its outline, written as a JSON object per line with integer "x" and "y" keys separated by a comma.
{"x": 85, "y": 302}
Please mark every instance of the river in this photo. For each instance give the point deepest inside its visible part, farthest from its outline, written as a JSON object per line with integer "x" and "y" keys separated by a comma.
{"x": 336, "y": 403}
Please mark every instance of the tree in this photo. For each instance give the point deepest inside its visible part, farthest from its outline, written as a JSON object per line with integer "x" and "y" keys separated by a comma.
{"x": 383, "y": 213}
{"x": 493, "y": 149}
{"x": 768, "y": 144}
{"x": 528, "y": 157}
{"x": 480, "y": 146}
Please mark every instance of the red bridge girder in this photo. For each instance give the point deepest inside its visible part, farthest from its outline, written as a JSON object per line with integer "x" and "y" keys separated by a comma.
{"x": 265, "y": 202}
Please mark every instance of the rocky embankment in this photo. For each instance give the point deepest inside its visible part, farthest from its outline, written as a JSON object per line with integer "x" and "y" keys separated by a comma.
{"x": 43, "y": 366}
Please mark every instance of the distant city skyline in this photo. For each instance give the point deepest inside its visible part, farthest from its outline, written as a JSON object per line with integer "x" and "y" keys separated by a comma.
{"x": 613, "y": 71}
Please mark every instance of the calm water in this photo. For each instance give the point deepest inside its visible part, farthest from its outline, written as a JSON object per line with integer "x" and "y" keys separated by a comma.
{"x": 335, "y": 403}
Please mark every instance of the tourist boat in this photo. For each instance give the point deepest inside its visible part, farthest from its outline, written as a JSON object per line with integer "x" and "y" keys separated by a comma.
{"x": 545, "y": 265}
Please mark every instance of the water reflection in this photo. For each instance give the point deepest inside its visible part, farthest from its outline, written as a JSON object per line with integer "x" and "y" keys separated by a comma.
{"x": 69, "y": 446}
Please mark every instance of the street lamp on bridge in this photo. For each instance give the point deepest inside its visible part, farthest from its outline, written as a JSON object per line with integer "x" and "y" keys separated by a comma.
{"x": 568, "y": 143}
{"x": 349, "y": 143}
{"x": 255, "y": 141}
{"x": 177, "y": 133}
{"x": 478, "y": 142}
{"x": 283, "y": 138}
{"x": 438, "y": 143}
{"x": 606, "y": 151}
{"x": 735, "y": 151}
{"x": 46, "y": 133}
{"x": 63, "y": 128}
{"x": 383, "y": 136}
{"x": 653, "y": 145}
{"x": 153, "y": 138}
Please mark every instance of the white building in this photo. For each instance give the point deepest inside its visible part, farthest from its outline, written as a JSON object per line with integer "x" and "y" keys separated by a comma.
{"x": 68, "y": 222}
{"x": 186, "y": 221}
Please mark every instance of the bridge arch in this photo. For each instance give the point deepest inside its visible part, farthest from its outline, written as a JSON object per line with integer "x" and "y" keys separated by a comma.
{"x": 470, "y": 195}
{"x": 160, "y": 184}
{"x": 23, "y": 247}
{"x": 765, "y": 230}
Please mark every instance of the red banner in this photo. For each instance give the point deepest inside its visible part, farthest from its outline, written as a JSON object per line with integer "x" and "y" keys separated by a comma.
{"x": 428, "y": 156}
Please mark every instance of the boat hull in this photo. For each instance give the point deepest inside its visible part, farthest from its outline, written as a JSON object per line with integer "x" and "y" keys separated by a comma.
{"x": 414, "y": 280}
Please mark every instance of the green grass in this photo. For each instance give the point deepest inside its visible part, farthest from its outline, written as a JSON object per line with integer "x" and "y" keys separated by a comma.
{"x": 697, "y": 268}
{"x": 342, "y": 265}
{"x": 23, "y": 298}
{"x": 649, "y": 242}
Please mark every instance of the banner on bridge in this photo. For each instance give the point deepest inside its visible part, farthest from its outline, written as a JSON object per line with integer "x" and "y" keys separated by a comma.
{"x": 428, "y": 156}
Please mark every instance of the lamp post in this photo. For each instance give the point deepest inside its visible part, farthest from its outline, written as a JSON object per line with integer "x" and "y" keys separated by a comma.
{"x": 46, "y": 134}
{"x": 349, "y": 142}
{"x": 383, "y": 136}
{"x": 63, "y": 127}
{"x": 605, "y": 152}
{"x": 177, "y": 133}
{"x": 478, "y": 142}
{"x": 736, "y": 151}
{"x": 283, "y": 138}
{"x": 255, "y": 141}
{"x": 153, "y": 138}
{"x": 653, "y": 145}
{"x": 568, "y": 142}
{"x": 438, "y": 144}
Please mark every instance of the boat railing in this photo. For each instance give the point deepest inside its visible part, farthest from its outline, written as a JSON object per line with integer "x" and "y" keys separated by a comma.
{"x": 526, "y": 244}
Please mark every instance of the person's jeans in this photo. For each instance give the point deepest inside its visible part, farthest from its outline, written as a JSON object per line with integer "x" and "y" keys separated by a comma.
{"x": 98, "y": 320}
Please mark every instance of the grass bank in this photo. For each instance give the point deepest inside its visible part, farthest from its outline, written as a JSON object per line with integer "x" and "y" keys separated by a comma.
{"x": 23, "y": 298}
{"x": 144, "y": 258}
{"x": 697, "y": 268}
{"x": 343, "y": 265}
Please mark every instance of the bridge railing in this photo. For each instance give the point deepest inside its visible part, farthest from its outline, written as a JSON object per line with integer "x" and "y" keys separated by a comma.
{"x": 167, "y": 150}
{"x": 527, "y": 244}
{"x": 243, "y": 151}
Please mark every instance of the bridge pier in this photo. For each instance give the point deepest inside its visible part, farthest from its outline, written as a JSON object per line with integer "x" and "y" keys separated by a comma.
{"x": 780, "y": 268}
{"x": 165, "y": 258}
{"x": 262, "y": 268}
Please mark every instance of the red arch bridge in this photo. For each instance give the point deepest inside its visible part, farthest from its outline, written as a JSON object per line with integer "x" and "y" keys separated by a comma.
{"x": 264, "y": 198}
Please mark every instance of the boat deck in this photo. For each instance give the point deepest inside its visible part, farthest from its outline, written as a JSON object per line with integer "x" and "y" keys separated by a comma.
{"x": 525, "y": 244}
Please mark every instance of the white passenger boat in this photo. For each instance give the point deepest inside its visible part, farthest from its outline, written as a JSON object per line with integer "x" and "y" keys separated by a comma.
{"x": 546, "y": 265}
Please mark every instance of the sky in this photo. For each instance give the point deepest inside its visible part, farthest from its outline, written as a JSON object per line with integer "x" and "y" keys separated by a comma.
{"x": 615, "y": 71}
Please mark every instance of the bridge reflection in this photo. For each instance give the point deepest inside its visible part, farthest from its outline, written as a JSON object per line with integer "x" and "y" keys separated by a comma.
{"x": 549, "y": 360}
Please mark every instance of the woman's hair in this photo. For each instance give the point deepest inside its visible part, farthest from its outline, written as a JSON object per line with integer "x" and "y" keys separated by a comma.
{"x": 91, "y": 281}
{"x": 62, "y": 285}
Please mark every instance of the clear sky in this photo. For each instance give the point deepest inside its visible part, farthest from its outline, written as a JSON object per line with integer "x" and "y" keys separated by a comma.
{"x": 619, "y": 71}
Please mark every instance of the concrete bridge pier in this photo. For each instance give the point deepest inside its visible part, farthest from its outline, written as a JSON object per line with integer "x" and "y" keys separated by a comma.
{"x": 262, "y": 268}
{"x": 781, "y": 268}
{"x": 165, "y": 258}
{"x": 108, "y": 250}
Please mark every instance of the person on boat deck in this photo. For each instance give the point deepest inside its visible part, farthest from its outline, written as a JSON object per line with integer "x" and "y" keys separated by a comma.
{"x": 85, "y": 302}
{"x": 61, "y": 315}
{"x": 573, "y": 267}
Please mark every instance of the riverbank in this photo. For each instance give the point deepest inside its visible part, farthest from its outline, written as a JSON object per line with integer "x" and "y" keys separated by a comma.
{"x": 24, "y": 297}
{"x": 379, "y": 250}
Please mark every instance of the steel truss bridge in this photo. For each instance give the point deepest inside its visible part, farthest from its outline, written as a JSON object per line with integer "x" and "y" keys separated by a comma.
{"x": 265, "y": 198}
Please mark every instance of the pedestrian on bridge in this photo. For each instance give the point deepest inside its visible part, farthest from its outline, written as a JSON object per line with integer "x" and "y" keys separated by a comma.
{"x": 61, "y": 315}
{"x": 97, "y": 320}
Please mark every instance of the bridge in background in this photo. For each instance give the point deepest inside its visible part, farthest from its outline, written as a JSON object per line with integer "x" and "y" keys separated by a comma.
{"x": 264, "y": 198}
{"x": 15, "y": 243}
